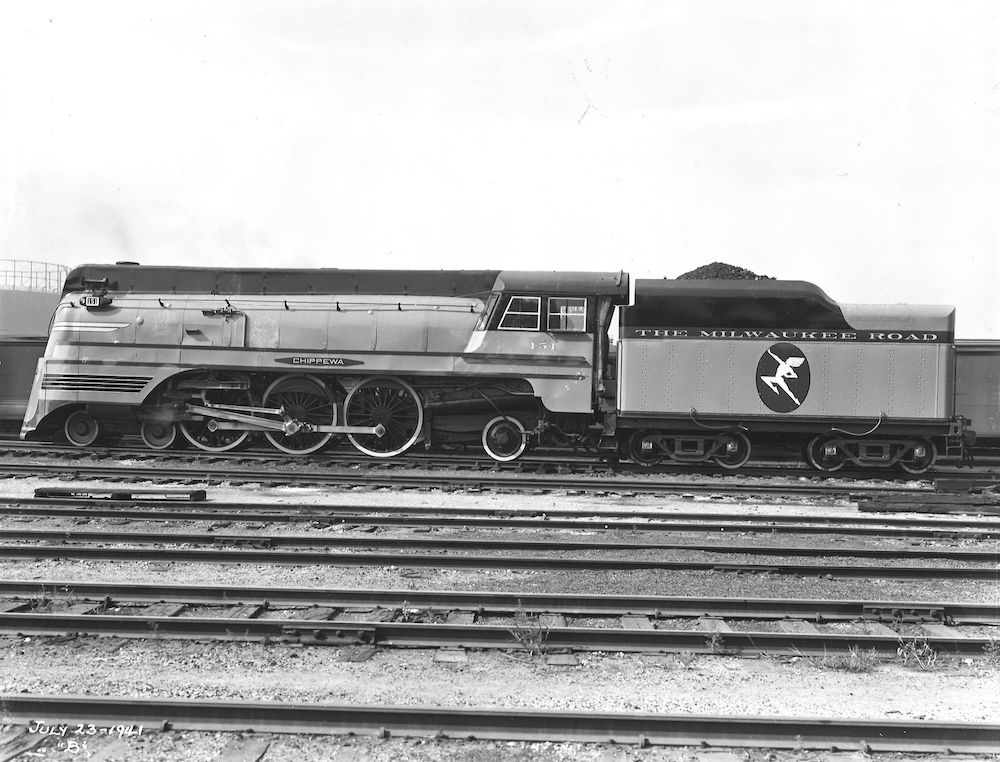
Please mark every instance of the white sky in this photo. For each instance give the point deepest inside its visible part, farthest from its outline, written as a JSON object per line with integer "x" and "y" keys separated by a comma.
{"x": 852, "y": 144}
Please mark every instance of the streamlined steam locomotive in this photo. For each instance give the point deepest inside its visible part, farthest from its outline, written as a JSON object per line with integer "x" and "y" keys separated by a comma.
{"x": 703, "y": 370}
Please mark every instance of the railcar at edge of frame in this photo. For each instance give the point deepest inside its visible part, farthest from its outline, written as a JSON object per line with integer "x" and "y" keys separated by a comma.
{"x": 29, "y": 292}
{"x": 977, "y": 388}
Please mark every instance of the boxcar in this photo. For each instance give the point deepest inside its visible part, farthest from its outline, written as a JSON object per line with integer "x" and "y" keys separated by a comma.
{"x": 29, "y": 292}
{"x": 977, "y": 382}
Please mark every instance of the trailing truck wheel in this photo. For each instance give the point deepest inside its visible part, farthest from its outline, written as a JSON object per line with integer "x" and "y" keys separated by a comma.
{"x": 158, "y": 435}
{"x": 644, "y": 450}
{"x": 819, "y": 456}
{"x": 921, "y": 458}
{"x": 736, "y": 451}
{"x": 81, "y": 429}
{"x": 504, "y": 438}
{"x": 393, "y": 404}
{"x": 205, "y": 434}
{"x": 305, "y": 400}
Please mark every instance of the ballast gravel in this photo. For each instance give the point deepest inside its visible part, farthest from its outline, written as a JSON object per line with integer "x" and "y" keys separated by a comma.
{"x": 953, "y": 690}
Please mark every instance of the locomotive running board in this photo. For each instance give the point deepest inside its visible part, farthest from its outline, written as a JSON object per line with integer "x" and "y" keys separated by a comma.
{"x": 233, "y": 421}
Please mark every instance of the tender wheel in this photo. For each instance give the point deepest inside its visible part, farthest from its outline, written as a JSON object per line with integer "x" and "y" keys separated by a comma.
{"x": 644, "y": 449}
{"x": 820, "y": 459}
{"x": 736, "y": 451}
{"x": 202, "y": 432}
{"x": 158, "y": 435}
{"x": 81, "y": 429}
{"x": 307, "y": 400}
{"x": 918, "y": 463}
{"x": 504, "y": 438}
{"x": 390, "y": 402}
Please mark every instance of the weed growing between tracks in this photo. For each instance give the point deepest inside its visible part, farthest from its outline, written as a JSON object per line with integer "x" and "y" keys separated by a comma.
{"x": 992, "y": 651}
{"x": 857, "y": 660}
{"x": 918, "y": 652}
{"x": 531, "y": 634}
{"x": 57, "y": 600}
{"x": 408, "y": 613}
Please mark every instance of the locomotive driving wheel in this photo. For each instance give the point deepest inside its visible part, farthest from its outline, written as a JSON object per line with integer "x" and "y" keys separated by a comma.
{"x": 81, "y": 429}
{"x": 391, "y": 402}
{"x": 735, "y": 451}
{"x": 504, "y": 438}
{"x": 823, "y": 455}
{"x": 922, "y": 458}
{"x": 205, "y": 434}
{"x": 307, "y": 400}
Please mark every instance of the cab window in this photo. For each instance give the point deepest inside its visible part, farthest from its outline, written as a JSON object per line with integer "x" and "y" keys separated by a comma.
{"x": 567, "y": 313}
{"x": 523, "y": 313}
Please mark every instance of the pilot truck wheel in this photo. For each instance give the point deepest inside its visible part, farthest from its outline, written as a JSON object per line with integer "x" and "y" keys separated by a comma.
{"x": 158, "y": 435}
{"x": 81, "y": 429}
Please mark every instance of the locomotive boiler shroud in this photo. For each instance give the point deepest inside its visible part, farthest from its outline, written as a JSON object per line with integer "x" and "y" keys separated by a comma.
{"x": 706, "y": 366}
{"x": 388, "y": 358}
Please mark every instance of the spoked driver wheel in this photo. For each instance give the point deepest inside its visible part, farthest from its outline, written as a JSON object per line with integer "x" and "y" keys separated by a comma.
{"x": 81, "y": 429}
{"x": 735, "y": 451}
{"x": 393, "y": 404}
{"x": 158, "y": 435}
{"x": 306, "y": 400}
{"x": 644, "y": 449}
{"x": 504, "y": 438}
{"x": 204, "y": 435}
{"x": 820, "y": 458}
{"x": 919, "y": 462}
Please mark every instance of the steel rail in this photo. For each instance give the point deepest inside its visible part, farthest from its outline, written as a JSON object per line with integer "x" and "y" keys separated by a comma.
{"x": 214, "y": 539}
{"x": 507, "y": 724}
{"x": 771, "y": 463}
{"x": 304, "y": 557}
{"x": 9, "y": 504}
{"x": 506, "y": 603}
{"x": 505, "y": 522}
{"x": 479, "y": 636}
{"x": 516, "y": 482}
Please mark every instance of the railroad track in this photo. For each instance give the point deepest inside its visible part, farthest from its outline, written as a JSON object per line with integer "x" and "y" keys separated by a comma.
{"x": 442, "y": 561}
{"x": 448, "y": 545}
{"x": 24, "y": 594}
{"x": 618, "y": 519}
{"x": 537, "y": 636}
{"x": 575, "y": 462}
{"x": 213, "y": 509}
{"x": 507, "y": 724}
{"x": 239, "y": 474}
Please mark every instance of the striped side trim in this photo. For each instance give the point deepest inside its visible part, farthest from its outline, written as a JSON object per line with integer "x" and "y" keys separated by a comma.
{"x": 89, "y": 327}
{"x": 82, "y": 383}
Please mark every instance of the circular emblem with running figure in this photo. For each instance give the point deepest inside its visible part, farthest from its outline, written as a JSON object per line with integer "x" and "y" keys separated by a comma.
{"x": 783, "y": 377}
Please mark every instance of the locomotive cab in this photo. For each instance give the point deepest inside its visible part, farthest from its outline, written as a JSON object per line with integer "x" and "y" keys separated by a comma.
{"x": 552, "y": 330}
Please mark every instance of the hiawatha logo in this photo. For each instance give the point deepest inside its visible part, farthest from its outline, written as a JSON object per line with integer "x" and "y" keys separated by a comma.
{"x": 783, "y": 377}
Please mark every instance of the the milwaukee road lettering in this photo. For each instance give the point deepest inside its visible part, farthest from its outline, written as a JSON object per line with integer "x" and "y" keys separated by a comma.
{"x": 791, "y": 334}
